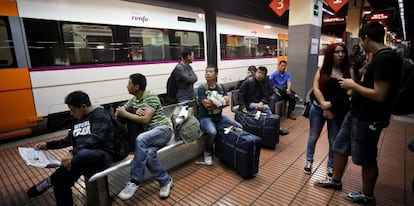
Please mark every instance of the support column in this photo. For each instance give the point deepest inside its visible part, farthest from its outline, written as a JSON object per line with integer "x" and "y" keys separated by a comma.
{"x": 305, "y": 21}
{"x": 353, "y": 20}
{"x": 211, "y": 28}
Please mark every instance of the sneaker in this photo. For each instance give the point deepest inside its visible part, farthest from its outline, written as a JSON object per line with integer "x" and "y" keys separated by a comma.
{"x": 283, "y": 131}
{"x": 208, "y": 160}
{"x": 298, "y": 99}
{"x": 308, "y": 167}
{"x": 329, "y": 171}
{"x": 328, "y": 183}
{"x": 292, "y": 117}
{"x": 165, "y": 190}
{"x": 359, "y": 197}
{"x": 40, "y": 188}
{"x": 128, "y": 191}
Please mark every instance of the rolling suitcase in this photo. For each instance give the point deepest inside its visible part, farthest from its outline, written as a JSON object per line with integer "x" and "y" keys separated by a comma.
{"x": 239, "y": 150}
{"x": 266, "y": 127}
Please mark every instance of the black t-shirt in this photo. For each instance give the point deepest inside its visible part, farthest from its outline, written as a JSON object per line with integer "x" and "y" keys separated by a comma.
{"x": 338, "y": 98}
{"x": 383, "y": 67}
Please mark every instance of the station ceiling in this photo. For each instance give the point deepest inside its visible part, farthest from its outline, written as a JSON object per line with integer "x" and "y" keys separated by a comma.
{"x": 259, "y": 9}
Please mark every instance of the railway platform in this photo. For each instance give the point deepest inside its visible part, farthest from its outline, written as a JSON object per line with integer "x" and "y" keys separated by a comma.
{"x": 280, "y": 181}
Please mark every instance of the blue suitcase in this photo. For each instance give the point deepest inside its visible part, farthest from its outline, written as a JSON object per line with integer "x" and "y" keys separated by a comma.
{"x": 239, "y": 150}
{"x": 266, "y": 127}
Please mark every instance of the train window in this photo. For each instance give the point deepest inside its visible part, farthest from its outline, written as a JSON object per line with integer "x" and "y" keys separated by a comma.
{"x": 87, "y": 43}
{"x": 148, "y": 45}
{"x": 54, "y": 43}
{"x": 267, "y": 47}
{"x": 235, "y": 46}
{"x": 45, "y": 43}
{"x": 193, "y": 40}
{"x": 6, "y": 46}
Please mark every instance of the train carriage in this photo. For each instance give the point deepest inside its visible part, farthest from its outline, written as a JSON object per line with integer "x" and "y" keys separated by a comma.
{"x": 50, "y": 48}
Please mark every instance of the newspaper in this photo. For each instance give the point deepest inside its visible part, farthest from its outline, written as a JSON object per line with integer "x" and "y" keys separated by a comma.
{"x": 38, "y": 158}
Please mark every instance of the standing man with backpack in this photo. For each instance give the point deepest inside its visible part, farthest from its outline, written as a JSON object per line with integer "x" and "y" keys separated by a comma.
{"x": 180, "y": 85}
{"x": 157, "y": 133}
{"x": 92, "y": 139}
{"x": 372, "y": 100}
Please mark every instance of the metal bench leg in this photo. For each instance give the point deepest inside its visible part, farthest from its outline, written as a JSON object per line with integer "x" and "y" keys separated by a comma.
{"x": 281, "y": 108}
{"x": 97, "y": 192}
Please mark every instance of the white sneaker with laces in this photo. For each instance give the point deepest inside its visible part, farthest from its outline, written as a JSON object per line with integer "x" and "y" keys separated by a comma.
{"x": 128, "y": 191}
{"x": 308, "y": 167}
{"x": 329, "y": 171}
{"x": 166, "y": 189}
{"x": 208, "y": 160}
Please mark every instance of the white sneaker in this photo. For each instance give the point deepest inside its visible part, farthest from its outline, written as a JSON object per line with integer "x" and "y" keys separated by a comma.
{"x": 329, "y": 171}
{"x": 165, "y": 190}
{"x": 128, "y": 191}
{"x": 308, "y": 167}
{"x": 208, "y": 160}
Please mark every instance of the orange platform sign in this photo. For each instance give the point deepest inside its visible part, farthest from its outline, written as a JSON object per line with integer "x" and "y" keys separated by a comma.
{"x": 336, "y": 5}
{"x": 279, "y": 6}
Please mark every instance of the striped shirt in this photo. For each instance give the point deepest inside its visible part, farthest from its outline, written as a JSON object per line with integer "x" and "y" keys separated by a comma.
{"x": 150, "y": 101}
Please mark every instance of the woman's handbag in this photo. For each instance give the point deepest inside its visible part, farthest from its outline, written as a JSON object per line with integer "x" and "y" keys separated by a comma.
{"x": 308, "y": 102}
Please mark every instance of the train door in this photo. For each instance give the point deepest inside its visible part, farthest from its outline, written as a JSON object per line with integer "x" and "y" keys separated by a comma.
{"x": 283, "y": 47}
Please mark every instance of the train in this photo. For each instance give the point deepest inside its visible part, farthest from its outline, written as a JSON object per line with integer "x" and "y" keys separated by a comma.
{"x": 50, "y": 48}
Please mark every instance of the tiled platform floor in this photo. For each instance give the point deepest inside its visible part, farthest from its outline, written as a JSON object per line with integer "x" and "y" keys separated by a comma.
{"x": 280, "y": 180}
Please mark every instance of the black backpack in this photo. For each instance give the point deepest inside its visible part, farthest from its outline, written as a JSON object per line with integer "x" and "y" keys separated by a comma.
{"x": 121, "y": 140}
{"x": 404, "y": 101}
{"x": 171, "y": 89}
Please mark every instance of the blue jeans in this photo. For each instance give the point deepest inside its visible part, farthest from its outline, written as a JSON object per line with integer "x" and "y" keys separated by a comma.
{"x": 85, "y": 162}
{"x": 145, "y": 154}
{"x": 266, "y": 108}
{"x": 210, "y": 125}
{"x": 317, "y": 121}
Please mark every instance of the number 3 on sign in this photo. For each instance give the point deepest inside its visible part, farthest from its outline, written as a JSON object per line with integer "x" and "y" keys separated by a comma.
{"x": 281, "y": 5}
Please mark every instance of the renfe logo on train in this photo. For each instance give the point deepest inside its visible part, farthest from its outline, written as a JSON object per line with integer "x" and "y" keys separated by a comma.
{"x": 142, "y": 19}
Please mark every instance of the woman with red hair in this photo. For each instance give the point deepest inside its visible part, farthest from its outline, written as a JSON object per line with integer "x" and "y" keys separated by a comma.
{"x": 330, "y": 102}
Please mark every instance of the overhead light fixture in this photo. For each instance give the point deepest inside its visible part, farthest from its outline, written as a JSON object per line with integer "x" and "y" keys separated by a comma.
{"x": 366, "y": 12}
{"x": 201, "y": 16}
{"x": 402, "y": 17}
{"x": 328, "y": 12}
{"x": 267, "y": 26}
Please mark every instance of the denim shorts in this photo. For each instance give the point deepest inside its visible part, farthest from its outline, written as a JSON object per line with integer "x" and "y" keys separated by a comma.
{"x": 359, "y": 139}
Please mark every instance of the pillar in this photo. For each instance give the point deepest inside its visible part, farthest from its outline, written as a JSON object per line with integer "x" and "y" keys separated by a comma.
{"x": 305, "y": 21}
{"x": 353, "y": 20}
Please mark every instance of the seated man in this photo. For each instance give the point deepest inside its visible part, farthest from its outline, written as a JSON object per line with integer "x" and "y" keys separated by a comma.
{"x": 212, "y": 97}
{"x": 281, "y": 81}
{"x": 92, "y": 139}
{"x": 157, "y": 133}
{"x": 256, "y": 93}
{"x": 251, "y": 72}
